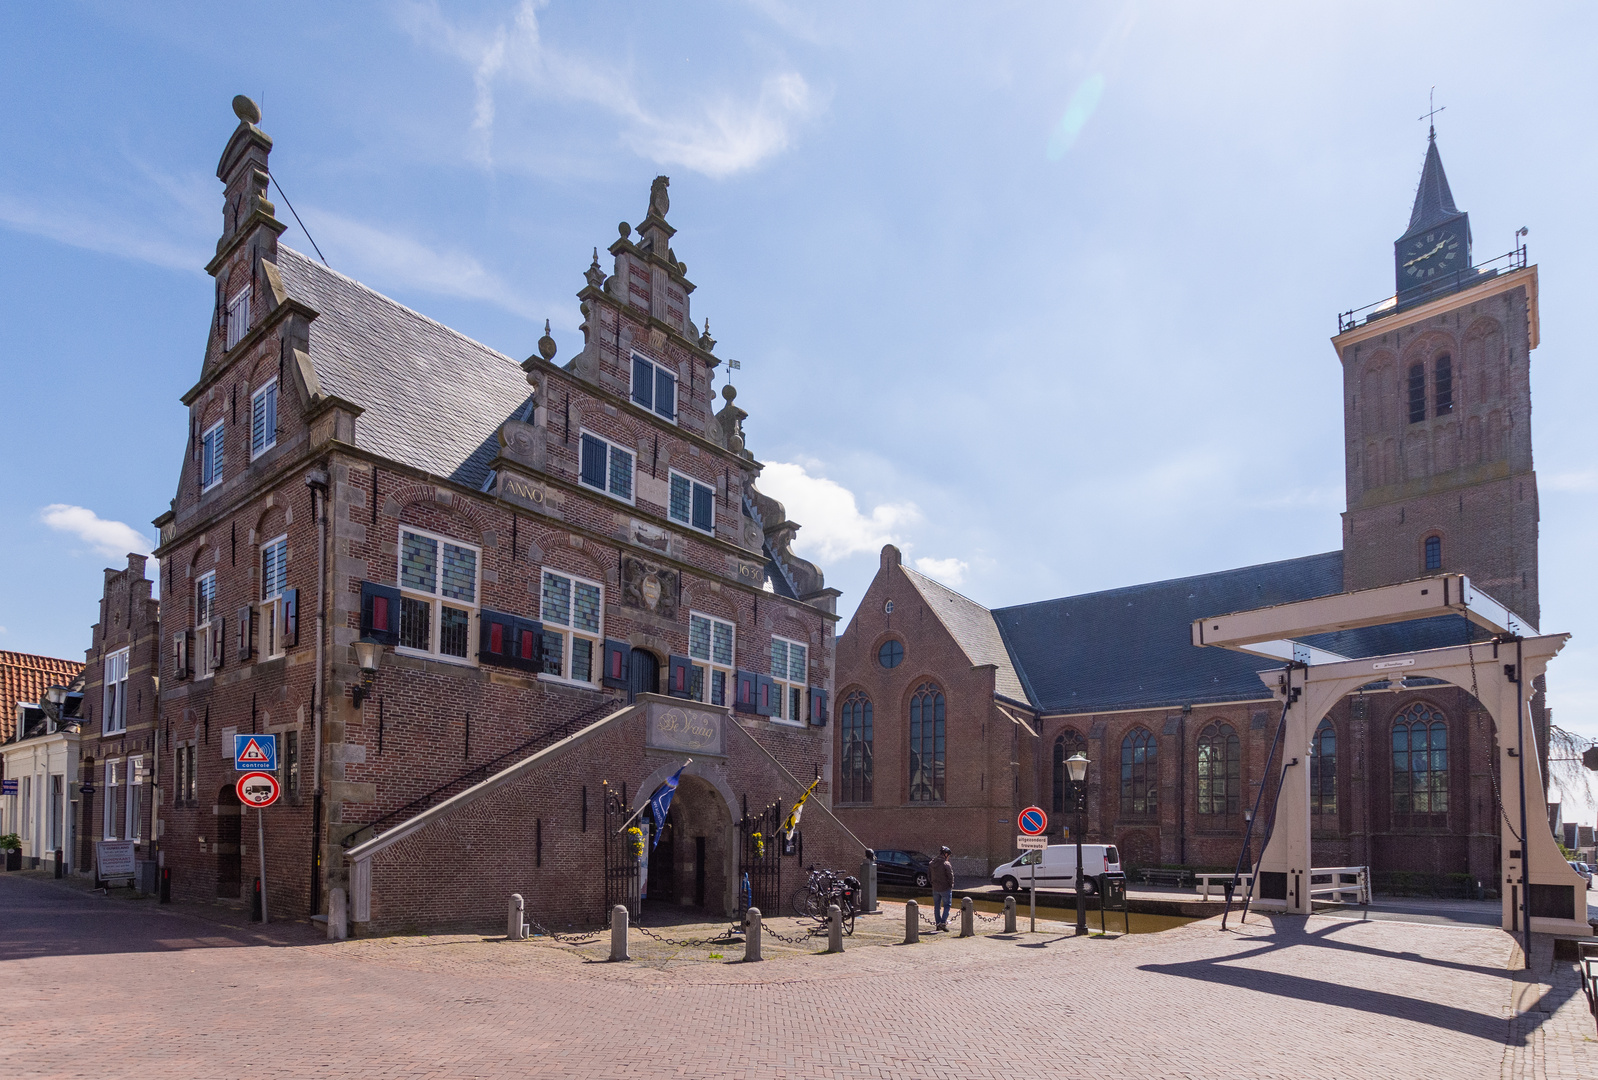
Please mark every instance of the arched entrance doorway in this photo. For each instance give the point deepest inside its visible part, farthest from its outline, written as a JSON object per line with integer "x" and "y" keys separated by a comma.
{"x": 229, "y": 834}
{"x": 643, "y": 674}
{"x": 688, "y": 868}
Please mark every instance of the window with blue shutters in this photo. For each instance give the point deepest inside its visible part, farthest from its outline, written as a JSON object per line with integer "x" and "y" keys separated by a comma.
{"x": 654, "y": 388}
{"x": 692, "y": 503}
{"x": 607, "y": 467}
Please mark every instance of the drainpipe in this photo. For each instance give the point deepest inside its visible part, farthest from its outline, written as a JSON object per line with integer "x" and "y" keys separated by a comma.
{"x": 316, "y": 480}
{"x": 1525, "y": 834}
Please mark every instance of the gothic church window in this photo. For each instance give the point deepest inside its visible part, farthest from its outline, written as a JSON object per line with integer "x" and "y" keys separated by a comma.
{"x": 1417, "y": 393}
{"x": 1066, "y": 745}
{"x": 1420, "y": 762}
{"x": 1443, "y": 385}
{"x": 1220, "y": 758}
{"x": 926, "y": 744}
{"x": 1323, "y": 773}
{"x": 1139, "y": 774}
{"x": 1434, "y": 553}
{"x": 855, "y": 730}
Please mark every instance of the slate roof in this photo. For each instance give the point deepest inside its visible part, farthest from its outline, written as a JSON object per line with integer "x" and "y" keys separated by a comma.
{"x": 434, "y": 398}
{"x": 973, "y": 629}
{"x": 25, "y": 677}
{"x": 1434, "y": 203}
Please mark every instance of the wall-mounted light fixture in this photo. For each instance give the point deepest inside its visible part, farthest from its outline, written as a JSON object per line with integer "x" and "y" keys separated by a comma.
{"x": 368, "y": 653}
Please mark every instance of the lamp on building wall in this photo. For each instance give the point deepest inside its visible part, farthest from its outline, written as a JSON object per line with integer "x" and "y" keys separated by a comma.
{"x": 1078, "y": 766}
{"x": 368, "y": 653}
{"x": 56, "y": 698}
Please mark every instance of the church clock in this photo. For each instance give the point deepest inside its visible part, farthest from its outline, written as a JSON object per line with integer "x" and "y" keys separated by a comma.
{"x": 1424, "y": 257}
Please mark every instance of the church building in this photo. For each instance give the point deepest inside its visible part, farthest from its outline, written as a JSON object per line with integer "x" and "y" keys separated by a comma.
{"x": 951, "y": 717}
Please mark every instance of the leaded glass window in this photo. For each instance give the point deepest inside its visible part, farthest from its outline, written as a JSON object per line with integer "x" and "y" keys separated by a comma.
{"x": 438, "y": 585}
{"x": 1063, "y": 791}
{"x": 789, "y": 670}
{"x": 1220, "y": 762}
{"x": 1323, "y": 773}
{"x": 1139, "y": 774}
{"x": 571, "y": 609}
{"x": 1420, "y": 764}
{"x": 854, "y": 729}
{"x": 710, "y": 649}
{"x": 927, "y": 746}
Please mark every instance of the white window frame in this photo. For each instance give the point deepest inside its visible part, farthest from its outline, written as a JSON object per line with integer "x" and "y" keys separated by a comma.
{"x": 25, "y": 821}
{"x": 204, "y": 613}
{"x": 567, "y": 631}
{"x": 114, "y": 694}
{"x": 272, "y": 598}
{"x": 787, "y": 687}
{"x": 238, "y": 316}
{"x": 657, "y": 368}
{"x": 438, "y": 601}
{"x": 213, "y": 455}
{"x": 706, "y": 666}
{"x": 108, "y": 812}
{"x": 672, "y": 475}
{"x": 262, "y": 439}
{"x": 611, "y": 446}
{"x": 135, "y": 799}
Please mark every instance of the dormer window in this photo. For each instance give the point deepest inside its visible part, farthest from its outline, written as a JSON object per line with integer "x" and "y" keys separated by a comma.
{"x": 654, "y": 388}
{"x": 211, "y": 457}
{"x": 1443, "y": 385}
{"x": 238, "y": 316}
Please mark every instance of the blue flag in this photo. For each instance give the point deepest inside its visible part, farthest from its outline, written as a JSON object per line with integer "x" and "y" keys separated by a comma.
{"x": 660, "y": 805}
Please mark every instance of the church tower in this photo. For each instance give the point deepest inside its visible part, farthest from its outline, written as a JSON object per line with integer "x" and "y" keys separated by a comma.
{"x": 1437, "y": 412}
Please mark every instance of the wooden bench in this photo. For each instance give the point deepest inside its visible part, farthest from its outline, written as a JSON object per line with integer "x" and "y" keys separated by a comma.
{"x": 1152, "y": 876}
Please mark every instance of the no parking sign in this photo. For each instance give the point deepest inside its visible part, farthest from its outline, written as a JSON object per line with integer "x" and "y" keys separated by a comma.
{"x": 1033, "y": 821}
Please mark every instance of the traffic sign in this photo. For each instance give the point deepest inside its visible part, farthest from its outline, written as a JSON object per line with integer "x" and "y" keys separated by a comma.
{"x": 255, "y": 752}
{"x": 1031, "y": 843}
{"x": 258, "y": 789}
{"x": 1033, "y": 821}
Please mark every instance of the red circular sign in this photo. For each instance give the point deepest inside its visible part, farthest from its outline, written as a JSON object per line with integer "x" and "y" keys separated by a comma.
{"x": 1033, "y": 821}
{"x": 258, "y": 789}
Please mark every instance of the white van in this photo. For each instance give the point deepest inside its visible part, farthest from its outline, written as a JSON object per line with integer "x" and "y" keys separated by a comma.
{"x": 1057, "y": 868}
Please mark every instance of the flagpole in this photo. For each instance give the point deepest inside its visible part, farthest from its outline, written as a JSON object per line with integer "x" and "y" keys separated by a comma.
{"x": 640, "y": 810}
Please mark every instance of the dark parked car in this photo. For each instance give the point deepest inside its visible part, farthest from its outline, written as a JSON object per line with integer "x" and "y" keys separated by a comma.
{"x": 896, "y": 867}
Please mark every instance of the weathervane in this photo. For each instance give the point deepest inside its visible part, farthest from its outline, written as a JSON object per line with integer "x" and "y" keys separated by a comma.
{"x": 1431, "y": 111}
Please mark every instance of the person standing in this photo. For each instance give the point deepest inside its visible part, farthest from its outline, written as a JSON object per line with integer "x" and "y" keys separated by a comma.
{"x": 941, "y": 874}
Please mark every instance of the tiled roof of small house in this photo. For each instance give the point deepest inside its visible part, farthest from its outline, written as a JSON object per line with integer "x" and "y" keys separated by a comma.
{"x": 25, "y": 677}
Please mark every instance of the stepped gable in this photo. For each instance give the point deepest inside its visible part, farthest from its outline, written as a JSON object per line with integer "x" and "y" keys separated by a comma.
{"x": 431, "y": 397}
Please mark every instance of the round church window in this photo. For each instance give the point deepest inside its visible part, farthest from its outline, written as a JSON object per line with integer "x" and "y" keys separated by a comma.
{"x": 890, "y": 654}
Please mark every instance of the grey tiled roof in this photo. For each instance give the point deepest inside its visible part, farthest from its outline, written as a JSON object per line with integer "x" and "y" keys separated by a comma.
{"x": 973, "y": 629}
{"x": 1434, "y": 203}
{"x": 434, "y": 399}
{"x": 1133, "y": 647}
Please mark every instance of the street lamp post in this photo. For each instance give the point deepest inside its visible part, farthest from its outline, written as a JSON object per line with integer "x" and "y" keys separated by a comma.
{"x": 1078, "y": 764}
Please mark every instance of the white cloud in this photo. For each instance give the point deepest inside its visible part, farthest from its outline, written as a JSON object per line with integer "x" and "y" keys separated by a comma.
{"x": 112, "y": 539}
{"x": 98, "y": 231}
{"x": 374, "y": 254}
{"x": 949, "y": 571}
{"x": 833, "y": 526}
{"x": 722, "y": 136}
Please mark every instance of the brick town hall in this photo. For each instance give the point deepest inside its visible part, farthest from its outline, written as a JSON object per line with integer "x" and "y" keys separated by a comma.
{"x": 952, "y": 716}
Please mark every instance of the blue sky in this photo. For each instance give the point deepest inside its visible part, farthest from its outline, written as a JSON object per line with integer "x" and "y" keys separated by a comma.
{"x": 1041, "y": 293}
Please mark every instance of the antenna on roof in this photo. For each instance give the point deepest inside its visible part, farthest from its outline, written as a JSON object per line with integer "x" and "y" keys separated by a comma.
{"x": 1431, "y": 112}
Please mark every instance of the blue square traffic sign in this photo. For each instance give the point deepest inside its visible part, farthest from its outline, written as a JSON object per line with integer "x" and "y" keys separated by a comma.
{"x": 255, "y": 753}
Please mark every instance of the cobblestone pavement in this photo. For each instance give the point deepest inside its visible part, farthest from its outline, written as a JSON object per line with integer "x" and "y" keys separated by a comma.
{"x": 108, "y": 987}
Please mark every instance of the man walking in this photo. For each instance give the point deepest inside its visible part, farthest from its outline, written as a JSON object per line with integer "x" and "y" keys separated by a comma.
{"x": 942, "y": 875}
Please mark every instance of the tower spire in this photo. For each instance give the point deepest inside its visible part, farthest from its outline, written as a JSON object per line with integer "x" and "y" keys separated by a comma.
{"x": 1434, "y": 203}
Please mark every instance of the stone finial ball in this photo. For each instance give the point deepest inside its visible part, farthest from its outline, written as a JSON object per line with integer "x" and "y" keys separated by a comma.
{"x": 729, "y": 392}
{"x": 624, "y": 229}
{"x": 546, "y": 344}
{"x": 246, "y": 110}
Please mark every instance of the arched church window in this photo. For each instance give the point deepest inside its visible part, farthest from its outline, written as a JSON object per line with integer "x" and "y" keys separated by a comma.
{"x": 1434, "y": 553}
{"x": 1065, "y": 745}
{"x": 1139, "y": 774}
{"x": 1443, "y": 385}
{"x": 1323, "y": 771}
{"x": 1220, "y": 760}
{"x": 1417, "y": 393}
{"x": 854, "y": 725}
{"x": 1420, "y": 763}
{"x": 926, "y": 744}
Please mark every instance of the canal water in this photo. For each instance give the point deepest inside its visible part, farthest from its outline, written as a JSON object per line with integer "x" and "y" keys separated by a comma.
{"x": 1115, "y": 922}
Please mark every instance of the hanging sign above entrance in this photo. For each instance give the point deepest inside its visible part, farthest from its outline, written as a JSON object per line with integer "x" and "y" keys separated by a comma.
{"x": 1033, "y": 821}
{"x": 258, "y": 789}
{"x": 255, "y": 752}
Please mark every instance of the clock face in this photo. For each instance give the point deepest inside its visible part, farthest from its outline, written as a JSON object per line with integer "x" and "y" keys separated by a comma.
{"x": 1432, "y": 254}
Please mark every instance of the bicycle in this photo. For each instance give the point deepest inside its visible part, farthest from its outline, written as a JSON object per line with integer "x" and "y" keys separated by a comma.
{"x": 825, "y": 888}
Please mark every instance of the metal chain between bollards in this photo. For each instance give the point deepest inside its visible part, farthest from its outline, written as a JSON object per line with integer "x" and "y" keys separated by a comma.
{"x": 582, "y": 937}
{"x": 725, "y": 939}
